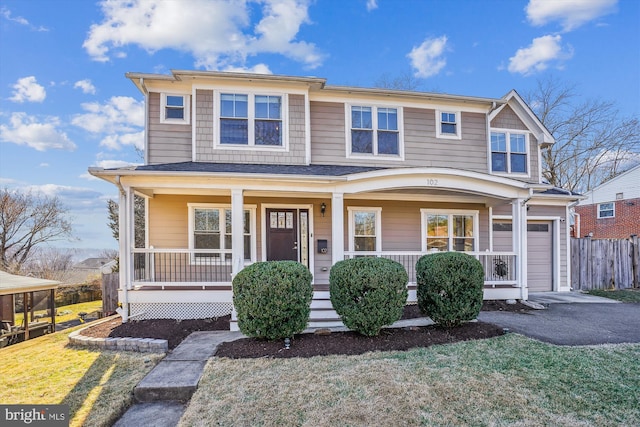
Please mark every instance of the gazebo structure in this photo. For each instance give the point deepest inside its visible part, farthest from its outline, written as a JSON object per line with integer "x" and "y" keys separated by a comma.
{"x": 27, "y": 307}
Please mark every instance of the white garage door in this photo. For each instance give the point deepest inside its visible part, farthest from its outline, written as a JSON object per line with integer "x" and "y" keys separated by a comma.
{"x": 539, "y": 248}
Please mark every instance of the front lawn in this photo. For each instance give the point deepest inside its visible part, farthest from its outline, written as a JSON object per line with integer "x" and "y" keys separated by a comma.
{"x": 624, "y": 295}
{"x": 97, "y": 385}
{"x": 66, "y": 312}
{"x": 508, "y": 380}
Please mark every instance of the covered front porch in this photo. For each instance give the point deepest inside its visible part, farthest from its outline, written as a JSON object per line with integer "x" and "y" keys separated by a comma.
{"x": 202, "y": 230}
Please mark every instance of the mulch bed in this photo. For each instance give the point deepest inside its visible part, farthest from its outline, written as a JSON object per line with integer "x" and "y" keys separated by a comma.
{"x": 307, "y": 345}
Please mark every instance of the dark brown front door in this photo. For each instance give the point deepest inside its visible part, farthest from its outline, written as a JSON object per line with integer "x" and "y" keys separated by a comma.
{"x": 282, "y": 234}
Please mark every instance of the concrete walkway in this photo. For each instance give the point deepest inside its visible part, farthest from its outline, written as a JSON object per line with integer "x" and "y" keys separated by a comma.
{"x": 567, "y": 298}
{"x": 163, "y": 393}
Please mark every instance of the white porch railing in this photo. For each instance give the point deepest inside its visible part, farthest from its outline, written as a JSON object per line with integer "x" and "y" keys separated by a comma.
{"x": 499, "y": 267}
{"x": 188, "y": 267}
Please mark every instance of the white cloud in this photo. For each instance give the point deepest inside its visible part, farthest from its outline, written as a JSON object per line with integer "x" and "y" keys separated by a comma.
{"x": 538, "y": 55}
{"x": 120, "y": 119}
{"x": 6, "y": 13}
{"x": 86, "y": 86}
{"x": 115, "y": 142}
{"x": 427, "y": 59}
{"x": 42, "y": 136}
{"x": 570, "y": 13}
{"x": 119, "y": 113}
{"x": 217, "y": 33}
{"x": 256, "y": 69}
{"x": 371, "y": 5}
{"x": 28, "y": 89}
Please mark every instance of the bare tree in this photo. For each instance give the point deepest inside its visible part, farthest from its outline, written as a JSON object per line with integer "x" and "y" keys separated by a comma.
{"x": 593, "y": 143}
{"x": 50, "y": 263}
{"x": 405, "y": 81}
{"x": 27, "y": 221}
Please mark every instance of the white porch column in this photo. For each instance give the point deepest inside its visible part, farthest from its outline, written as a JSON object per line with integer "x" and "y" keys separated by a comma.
{"x": 337, "y": 227}
{"x": 519, "y": 236}
{"x": 237, "y": 231}
{"x": 125, "y": 233}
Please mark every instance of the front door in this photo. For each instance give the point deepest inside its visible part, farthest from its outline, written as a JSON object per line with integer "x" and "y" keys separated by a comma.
{"x": 282, "y": 235}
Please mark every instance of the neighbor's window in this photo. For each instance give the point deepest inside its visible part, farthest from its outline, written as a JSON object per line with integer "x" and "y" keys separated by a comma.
{"x": 509, "y": 157}
{"x": 251, "y": 120}
{"x": 364, "y": 229}
{"x": 606, "y": 210}
{"x": 449, "y": 231}
{"x": 174, "y": 108}
{"x": 374, "y": 130}
{"x": 448, "y": 124}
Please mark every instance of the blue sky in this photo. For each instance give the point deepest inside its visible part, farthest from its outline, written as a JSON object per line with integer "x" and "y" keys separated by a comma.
{"x": 65, "y": 104}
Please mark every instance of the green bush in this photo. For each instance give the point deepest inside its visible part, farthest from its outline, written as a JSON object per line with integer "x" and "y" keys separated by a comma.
{"x": 273, "y": 299}
{"x": 450, "y": 287}
{"x": 368, "y": 293}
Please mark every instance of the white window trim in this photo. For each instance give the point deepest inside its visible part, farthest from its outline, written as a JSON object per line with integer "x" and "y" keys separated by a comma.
{"x": 374, "y": 119}
{"x": 439, "y": 134}
{"x": 187, "y": 104}
{"x": 252, "y": 225}
{"x": 508, "y": 133}
{"x": 251, "y": 113}
{"x": 378, "y": 211}
{"x": 607, "y": 203}
{"x": 450, "y": 213}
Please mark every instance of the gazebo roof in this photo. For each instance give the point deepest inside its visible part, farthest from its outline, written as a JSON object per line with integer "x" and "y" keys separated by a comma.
{"x": 12, "y": 284}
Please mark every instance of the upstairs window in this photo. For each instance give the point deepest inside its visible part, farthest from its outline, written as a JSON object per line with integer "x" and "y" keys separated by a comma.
{"x": 448, "y": 124}
{"x": 509, "y": 152}
{"x": 374, "y": 131}
{"x": 174, "y": 109}
{"x": 251, "y": 120}
{"x": 606, "y": 210}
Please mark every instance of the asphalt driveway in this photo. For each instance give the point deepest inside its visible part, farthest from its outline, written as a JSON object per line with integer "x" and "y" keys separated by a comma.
{"x": 574, "y": 323}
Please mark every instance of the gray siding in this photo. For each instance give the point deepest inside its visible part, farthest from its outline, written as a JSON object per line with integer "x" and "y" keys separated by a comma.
{"x": 168, "y": 143}
{"x": 422, "y": 148}
{"x": 508, "y": 119}
{"x": 205, "y": 128}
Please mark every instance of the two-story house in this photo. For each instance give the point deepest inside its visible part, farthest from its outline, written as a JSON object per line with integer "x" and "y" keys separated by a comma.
{"x": 242, "y": 168}
{"x": 612, "y": 209}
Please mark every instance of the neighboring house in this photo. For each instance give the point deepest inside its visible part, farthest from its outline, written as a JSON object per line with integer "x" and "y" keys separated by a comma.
{"x": 611, "y": 210}
{"x": 242, "y": 168}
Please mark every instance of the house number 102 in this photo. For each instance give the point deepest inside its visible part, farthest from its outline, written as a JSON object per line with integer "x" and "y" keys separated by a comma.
{"x": 432, "y": 181}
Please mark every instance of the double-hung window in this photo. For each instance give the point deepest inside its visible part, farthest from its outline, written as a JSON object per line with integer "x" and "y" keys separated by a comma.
{"x": 210, "y": 229}
{"x": 174, "y": 108}
{"x": 606, "y": 210}
{"x": 374, "y": 131}
{"x": 509, "y": 152}
{"x": 251, "y": 120}
{"x": 449, "y": 231}
{"x": 448, "y": 124}
{"x": 365, "y": 229}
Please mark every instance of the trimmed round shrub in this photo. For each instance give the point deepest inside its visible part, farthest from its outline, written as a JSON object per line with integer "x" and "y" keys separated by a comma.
{"x": 368, "y": 293}
{"x": 450, "y": 287}
{"x": 273, "y": 299}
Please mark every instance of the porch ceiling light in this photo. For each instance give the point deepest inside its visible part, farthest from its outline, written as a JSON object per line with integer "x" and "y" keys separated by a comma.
{"x": 323, "y": 208}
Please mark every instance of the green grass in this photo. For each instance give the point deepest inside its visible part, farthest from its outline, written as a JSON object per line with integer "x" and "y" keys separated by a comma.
{"x": 97, "y": 385}
{"x": 508, "y": 380}
{"x": 73, "y": 310}
{"x": 624, "y": 295}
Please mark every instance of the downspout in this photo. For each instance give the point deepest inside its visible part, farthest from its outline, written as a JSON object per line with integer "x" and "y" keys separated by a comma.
{"x": 123, "y": 311}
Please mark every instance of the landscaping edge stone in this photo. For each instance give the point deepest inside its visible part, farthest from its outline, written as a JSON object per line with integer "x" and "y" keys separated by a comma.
{"x": 142, "y": 345}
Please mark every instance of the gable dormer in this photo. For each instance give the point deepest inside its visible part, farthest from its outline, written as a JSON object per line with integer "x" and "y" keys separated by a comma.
{"x": 516, "y": 137}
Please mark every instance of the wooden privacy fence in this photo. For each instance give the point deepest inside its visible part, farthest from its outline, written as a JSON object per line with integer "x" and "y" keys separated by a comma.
{"x": 605, "y": 263}
{"x": 110, "y": 284}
